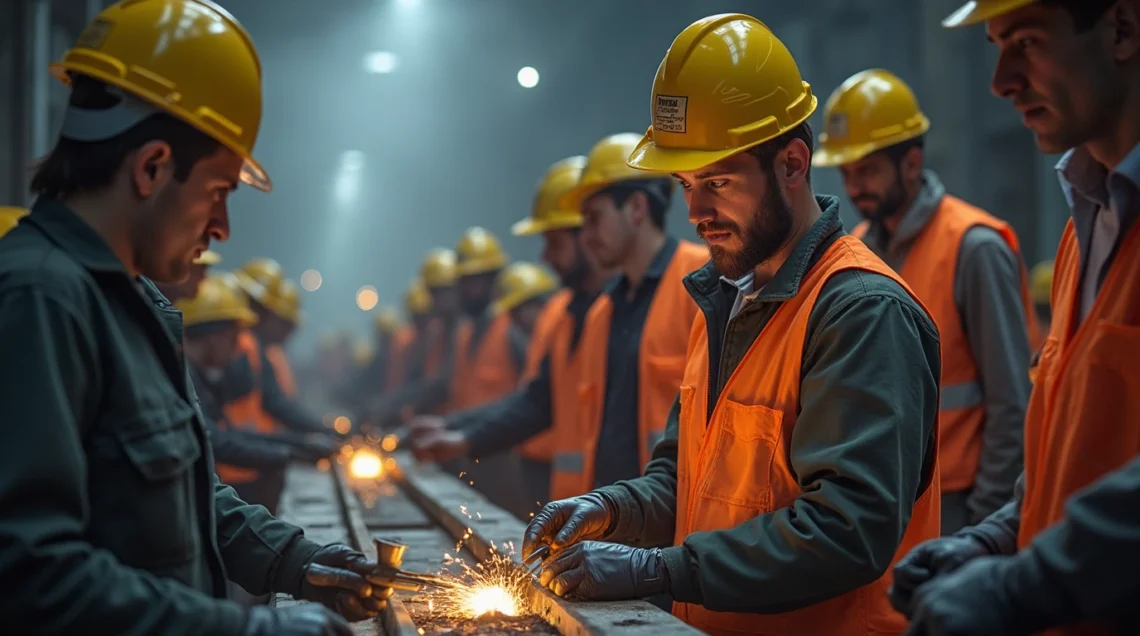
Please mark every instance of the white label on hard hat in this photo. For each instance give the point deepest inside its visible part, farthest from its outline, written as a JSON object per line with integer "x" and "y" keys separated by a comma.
{"x": 669, "y": 113}
{"x": 837, "y": 126}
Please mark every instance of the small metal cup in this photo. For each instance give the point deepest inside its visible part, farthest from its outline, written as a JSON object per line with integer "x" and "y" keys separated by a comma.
{"x": 389, "y": 553}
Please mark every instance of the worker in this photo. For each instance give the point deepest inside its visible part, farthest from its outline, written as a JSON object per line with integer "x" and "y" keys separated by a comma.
{"x": 1040, "y": 290}
{"x": 113, "y": 520}
{"x": 635, "y": 335}
{"x": 277, "y": 302}
{"x": 417, "y": 308}
{"x": 1072, "y": 69}
{"x": 10, "y": 217}
{"x": 801, "y": 455}
{"x": 521, "y": 292}
{"x": 548, "y": 394}
{"x": 965, "y": 265}
{"x": 372, "y": 369}
{"x": 212, "y": 323}
{"x": 426, "y": 381}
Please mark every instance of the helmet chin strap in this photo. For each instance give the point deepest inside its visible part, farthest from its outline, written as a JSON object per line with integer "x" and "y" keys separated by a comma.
{"x": 89, "y": 125}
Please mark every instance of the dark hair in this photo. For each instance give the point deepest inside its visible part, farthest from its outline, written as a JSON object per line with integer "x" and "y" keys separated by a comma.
{"x": 896, "y": 152}
{"x": 73, "y": 166}
{"x": 658, "y": 192}
{"x": 1084, "y": 13}
{"x": 766, "y": 152}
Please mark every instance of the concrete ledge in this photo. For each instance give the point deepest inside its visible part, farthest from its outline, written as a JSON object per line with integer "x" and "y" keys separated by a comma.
{"x": 441, "y": 495}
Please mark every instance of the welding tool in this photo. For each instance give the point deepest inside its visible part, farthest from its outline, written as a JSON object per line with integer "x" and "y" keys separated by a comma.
{"x": 533, "y": 562}
{"x": 388, "y": 573}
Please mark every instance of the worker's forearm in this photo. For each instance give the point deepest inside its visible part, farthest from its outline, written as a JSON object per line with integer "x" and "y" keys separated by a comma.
{"x": 998, "y": 532}
{"x": 512, "y": 420}
{"x": 247, "y": 451}
{"x": 261, "y": 553}
{"x": 646, "y": 507}
{"x": 988, "y": 295}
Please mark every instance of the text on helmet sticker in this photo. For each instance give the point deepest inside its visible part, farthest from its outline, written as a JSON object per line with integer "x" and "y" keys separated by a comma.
{"x": 669, "y": 113}
{"x": 837, "y": 126}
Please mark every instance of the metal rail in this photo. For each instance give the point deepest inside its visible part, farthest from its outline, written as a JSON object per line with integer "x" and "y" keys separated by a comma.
{"x": 431, "y": 511}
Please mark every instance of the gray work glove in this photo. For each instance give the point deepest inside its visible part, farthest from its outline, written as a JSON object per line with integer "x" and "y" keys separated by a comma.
{"x": 978, "y": 599}
{"x": 297, "y": 620}
{"x": 335, "y": 578}
{"x": 597, "y": 571}
{"x": 928, "y": 560}
{"x": 563, "y": 523}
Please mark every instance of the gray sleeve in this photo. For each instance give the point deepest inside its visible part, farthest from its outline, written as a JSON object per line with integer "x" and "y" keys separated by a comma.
{"x": 987, "y": 291}
{"x": 998, "y": 532}
{"x": 1084, "y": 567}
{"x": 647, "y": 506}
{"x": 862, "y": 451}
{"x": 520, "y": 344}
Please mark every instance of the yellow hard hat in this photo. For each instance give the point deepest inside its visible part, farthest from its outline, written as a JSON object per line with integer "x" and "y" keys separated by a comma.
{"x": 439, "y": 268}
{"x": 976, "y": 11}
{"x": 417, "y": 300}
{"x": 605, "y": 166}
{"x": 362, "y": 352}
{"x": 870, "y": 111}
{"x": 548, "y": 213}
{"x": 387, "y": 320}
{"x": 208, "y": 257}
{"x": 726, "y": 84}
{"x": 1041, "y": 283}
{"x": 479, "y": 252}
{"x": 219, "y": 299}
{"x": 9, "y": 217}
{"x": 189, "y": 58}
{"x": 261, "y": 270}
{"x": 263, "y": 280}
{"x": 519, "y": 283}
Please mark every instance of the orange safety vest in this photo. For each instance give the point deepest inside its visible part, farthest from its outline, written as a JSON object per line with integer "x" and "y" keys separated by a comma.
{"x": 661, "y": 360}
{"x": 736, "y": 466}
{"x": 486, "y": 373}
{"x": 246, "y": 413}
{"x": 401, "y": 344}
{"x": 282, "y": 370}
{"x": 543, "y": 341}
{"x": 929, "y": 271}
{"x": 1082, "y": 413}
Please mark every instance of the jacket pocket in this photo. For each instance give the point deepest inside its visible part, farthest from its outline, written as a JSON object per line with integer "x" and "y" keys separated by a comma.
{"x": 745, "y": 443}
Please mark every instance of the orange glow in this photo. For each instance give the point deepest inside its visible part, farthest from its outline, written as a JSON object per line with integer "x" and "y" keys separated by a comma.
{"x": 389, "y": 443}
{"x": 365, "y": 465}
{"x": 342, "y": 425}
{"x": 486, "y": 600}
{"x": 367, "y": 298}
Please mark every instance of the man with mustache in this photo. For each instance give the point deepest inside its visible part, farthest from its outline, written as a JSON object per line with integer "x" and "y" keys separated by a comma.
{"x": 800, "y": 456}
{"x": 546, "y": 399}
{"x": 966, "y": 267}
{"x": 1063, "y": 554}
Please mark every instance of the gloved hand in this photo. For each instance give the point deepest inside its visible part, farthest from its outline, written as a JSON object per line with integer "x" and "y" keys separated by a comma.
{"x": 598, "y": 571}
{"x": 432, "y": 441}
{"x": 335, "y": 578}
{"x": 974, "y": 600}
{"x": 928, "y": 560}
{"x": 563, "y": 523}
{"x": 296, "y": 620}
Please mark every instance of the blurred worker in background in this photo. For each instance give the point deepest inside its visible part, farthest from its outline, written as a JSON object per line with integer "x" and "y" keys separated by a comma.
{"x": 276, "y": 301}
{"x": 189, "y": 287}
{"x": 801, "y": 454}
{"x": 634, "y": 337}
{"x": 113, "y": 521}
{"x": 521, "y": 292}
{"x": 966, "y": 267}
{"x": 1064, "y": 552}
{"x": 417, "y": 308}
{"x": 547, "y": 397}
{"x": 1040, "y": 290}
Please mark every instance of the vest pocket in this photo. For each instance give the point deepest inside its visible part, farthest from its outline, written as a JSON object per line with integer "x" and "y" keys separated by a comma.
{"x": 739, "y": 464}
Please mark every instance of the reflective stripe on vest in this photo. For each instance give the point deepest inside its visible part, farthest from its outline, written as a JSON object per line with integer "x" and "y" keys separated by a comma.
{"x": 929, "y": 267}
{"x": 553, "y": 318}
{"x": 661, "y": 360}
{"x": 282, "y": 370}
{"x": 1086, "y": 401}
{"x": 736, "y": 466}
{"x": 486, "y": 373}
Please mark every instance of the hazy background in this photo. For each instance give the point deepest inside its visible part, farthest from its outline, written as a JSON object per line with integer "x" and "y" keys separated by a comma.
{"x": 390, "y": 126}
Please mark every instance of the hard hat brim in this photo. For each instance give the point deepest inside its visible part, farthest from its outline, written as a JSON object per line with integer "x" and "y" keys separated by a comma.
{"x": 530, "y": 226}
{"x": 975, "y": 12}
{"x": 650, "y": 157}
{"x": 480, "y": 266}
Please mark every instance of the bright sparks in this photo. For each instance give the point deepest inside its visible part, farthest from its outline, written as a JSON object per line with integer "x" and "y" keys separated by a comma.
{"x": 365, "y": 465}
{"x": 491, "y": 600}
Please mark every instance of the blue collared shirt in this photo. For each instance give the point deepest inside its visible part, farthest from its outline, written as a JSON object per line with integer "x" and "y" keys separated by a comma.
{"x": 1104, "y": 204}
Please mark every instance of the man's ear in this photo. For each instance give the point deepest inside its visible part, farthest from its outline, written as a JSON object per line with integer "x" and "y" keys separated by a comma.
{"x": 793, "y": 164}
{"x": 1125, "y": 21}
{"x": 151, "y": 165}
